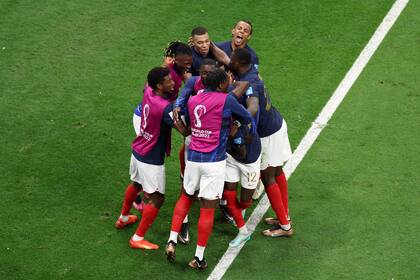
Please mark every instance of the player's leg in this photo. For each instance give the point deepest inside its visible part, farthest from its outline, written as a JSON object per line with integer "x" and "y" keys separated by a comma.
{"x": 282, "y": 183}
{"x": 152, "y": 178}
{"x": 182, "y": 207}
{"x": 205, "y": 228}
{"x": 211, "y": 189}
{"x": 125, "y": 217}
{"x": 183, "y": 236}
{"x": 231, "y": 210}
{"x": 191, "y": 185}
{"x": 250, "y": 175}
{"x": 280, "y": 152}
{"x": 230, "y": 194}
{"x": 130, "y": 194}
{"x": 151, "y": 210}
{"x": 283, "y": 228}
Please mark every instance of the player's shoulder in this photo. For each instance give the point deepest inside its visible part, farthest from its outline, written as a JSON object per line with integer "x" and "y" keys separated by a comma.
{"x": 225, "y": 45}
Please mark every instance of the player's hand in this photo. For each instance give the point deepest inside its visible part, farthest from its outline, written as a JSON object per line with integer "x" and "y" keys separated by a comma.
{"x": 190, "y": 42}
{"x": 176, "y": 112}
{"x": 168, "y": 60}
{"x": 234, "y": 129}
{"x": 230, "y": 77}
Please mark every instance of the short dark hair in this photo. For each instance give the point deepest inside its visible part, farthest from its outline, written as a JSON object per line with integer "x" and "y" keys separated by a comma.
{"x": 177, "y": 48}
{"x": 156, "y": 76}
{"x": 246, "y": 21}
{"x": 215, "y": 78}
{"x": 242, "y": 55}
{"x": 199, "y": 30}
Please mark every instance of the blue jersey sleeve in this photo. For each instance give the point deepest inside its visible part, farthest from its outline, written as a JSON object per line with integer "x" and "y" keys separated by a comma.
{"x": 168, "y": 115}
{"x": 186, "y": 92}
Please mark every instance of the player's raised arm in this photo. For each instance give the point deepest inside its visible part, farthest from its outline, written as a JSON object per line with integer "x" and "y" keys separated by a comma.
{"x": 219, "y": 54}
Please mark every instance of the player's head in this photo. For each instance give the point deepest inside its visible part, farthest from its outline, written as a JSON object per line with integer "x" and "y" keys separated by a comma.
{"x": 181, "y": 53}
{"x": 201, "y": 40}
{"x": 239, "y": 58}
{"x": 160, "y": 80}
{"x": 217, "y": 80}
{"x": 241, "y": 33}
{"x": 207, "y": 66}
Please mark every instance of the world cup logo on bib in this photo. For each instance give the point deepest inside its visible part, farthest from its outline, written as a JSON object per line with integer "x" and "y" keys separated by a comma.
{"x": 199, "y": 111}
{"x": 146, "y": 110}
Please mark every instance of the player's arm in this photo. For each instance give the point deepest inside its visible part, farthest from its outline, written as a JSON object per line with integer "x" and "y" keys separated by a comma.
{"x": 181, "y": 101}
{"x": 240, "y": 88}
{"x": 240, "y": 113}
{"x": 252, "y": 101}
{"x": 168, "y": 118}
{"x": 219, "y": 54}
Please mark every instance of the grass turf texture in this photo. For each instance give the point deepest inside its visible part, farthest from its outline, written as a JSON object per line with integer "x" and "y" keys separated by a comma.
{"x": 69, "y": 79}
{"x": 355, "y": 195}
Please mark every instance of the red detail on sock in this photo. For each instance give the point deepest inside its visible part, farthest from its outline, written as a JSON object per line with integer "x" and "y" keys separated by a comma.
{"x": 274, "y": 195}
{"x": 205, "y": 225}
{"x": 282, "y": 183}
{"x": 245, "y": 204}
{"x": 149, "y": 215}
{"x": 234, "y": 208}
{"x": 181, "y": 157}
{"x": 130, "y": 196}
{"x": 182, "y": 208}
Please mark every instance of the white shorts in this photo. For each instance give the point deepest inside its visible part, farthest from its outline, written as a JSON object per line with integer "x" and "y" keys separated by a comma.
{"x": 136, "y": 123}
{"x": 205, "y": 177}
{"x": 275, "y": 148}
{"x": 151, "y": 177}
{"x": 247, "y": 173}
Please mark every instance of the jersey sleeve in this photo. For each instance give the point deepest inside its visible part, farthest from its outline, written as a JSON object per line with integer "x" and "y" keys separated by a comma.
{"x": 253, "y": 90}
{"x": 168, "y": 117}
{"x": 186, "y": 92}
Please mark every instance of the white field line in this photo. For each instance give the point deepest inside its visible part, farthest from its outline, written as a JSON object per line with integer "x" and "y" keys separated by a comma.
{"x": 317, "y": 126}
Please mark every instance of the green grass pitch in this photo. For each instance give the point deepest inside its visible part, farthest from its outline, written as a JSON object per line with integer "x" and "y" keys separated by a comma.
{"x": 70, "y": 77}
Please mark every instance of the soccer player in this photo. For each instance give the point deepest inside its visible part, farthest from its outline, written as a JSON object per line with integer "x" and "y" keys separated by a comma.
{"x": 147, "y": 170}
{"x": 191, "y": 88}
{"x": 272, "y": 129}
{"x": 179, "y": 66}
{"x": 203, "y": 48}
{"x": 243, "y": 162}
{"x": 209, "y": 115}
{"x": 241, "y": 34}
{"x": 178, "y": 58}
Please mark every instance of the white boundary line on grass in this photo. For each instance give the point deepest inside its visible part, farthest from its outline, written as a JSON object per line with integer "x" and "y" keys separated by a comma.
{"x": 317, "y": 126}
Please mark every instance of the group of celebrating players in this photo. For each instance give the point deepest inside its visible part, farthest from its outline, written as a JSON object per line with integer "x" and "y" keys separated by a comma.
{"x": 233, "y": 134}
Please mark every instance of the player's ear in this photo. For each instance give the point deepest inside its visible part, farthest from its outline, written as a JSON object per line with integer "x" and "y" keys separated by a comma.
{"x": 233, "y": 32}
{"x": 249, "y": 38}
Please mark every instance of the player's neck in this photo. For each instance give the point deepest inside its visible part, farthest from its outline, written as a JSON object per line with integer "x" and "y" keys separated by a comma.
{"x": 158, "y": 92}
{"x": 237, "y": 47}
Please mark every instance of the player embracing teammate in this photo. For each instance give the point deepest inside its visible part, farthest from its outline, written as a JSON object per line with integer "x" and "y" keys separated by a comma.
{"x": 236, "y": 136}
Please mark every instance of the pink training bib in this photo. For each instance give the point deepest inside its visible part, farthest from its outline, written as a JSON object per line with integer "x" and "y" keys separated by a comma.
{"x": 153, "y": 107}
{"x": 205, "y": 110}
